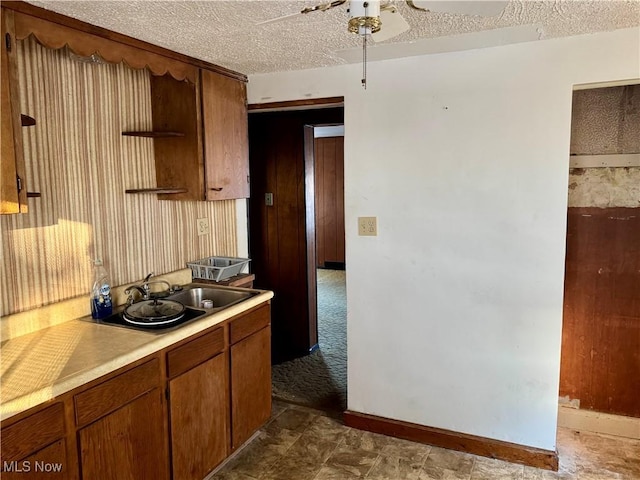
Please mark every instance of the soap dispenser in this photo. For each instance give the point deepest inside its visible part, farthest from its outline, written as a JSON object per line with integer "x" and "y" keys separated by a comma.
{"x": 101, "y": 306}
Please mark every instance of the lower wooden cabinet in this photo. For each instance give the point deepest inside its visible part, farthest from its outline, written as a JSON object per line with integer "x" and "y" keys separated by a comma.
{"x": 199, "y": 411}
{"x": 128, "y": 443}
{"x": 250, "y": 376}
{"x": 34, "y": 447}
{"x": 218, "y": 385}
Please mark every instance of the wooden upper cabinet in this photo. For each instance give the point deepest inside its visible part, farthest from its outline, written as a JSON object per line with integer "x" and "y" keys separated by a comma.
{"x": 225, "y": 135}
{"x": 13, "y": 194}
{"x": 201, "y": 137}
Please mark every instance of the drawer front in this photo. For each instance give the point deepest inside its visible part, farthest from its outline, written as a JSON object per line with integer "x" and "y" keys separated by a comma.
{"x": 250, "y": 323}
{"x": 30, "y": 434}
{"x": 195, "y": 352}
{"x": 115, "y": 393}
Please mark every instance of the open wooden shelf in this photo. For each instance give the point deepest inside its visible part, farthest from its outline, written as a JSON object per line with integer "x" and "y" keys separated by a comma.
{"x": 157, "y": 190}
{"x": 153, "y": 134}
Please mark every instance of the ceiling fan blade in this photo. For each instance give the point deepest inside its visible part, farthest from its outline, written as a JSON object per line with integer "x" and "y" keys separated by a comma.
{"x": 279, "y": 19}
{"x": 317, "y": 8}
{"x": 467, "y": 7}
{"x": 393, "y": 24}
{"x": 453, "y": 43}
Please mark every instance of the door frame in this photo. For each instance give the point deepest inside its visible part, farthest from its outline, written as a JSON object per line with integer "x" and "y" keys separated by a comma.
{"x": 309, "y": 197}
{"x": 310, "y": 227}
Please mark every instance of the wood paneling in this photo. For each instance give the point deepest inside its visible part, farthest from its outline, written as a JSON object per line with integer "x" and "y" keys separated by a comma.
{"x": 195, "y": 352}
{"x": 278, "y": 241}
{"x": 78, "y": 159}
{"x": 226, "y": 142}
{"x": 486, "y": 447}
{"x": 329, "y": 172}
{"x": 250, "y": 385}
{"x": 140, "y": 450}
{"x": 199, "y": 402}
{"x": 112, "y": 394}
{"x": 601, "y": 325}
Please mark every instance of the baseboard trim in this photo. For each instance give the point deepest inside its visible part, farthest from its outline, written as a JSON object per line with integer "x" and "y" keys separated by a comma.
{"x": 486, "y": 447}
{"x": 597, "y": 422}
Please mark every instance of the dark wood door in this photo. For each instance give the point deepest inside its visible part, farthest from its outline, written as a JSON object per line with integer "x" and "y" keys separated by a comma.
{"x": 600, "y": 363}
{"x": 278, "y": 233}
{"x": 329, "y": 190}
{"x": 199, "y": 419}
{"x": 250, "y": 385}
{"x": 128, "y": 444}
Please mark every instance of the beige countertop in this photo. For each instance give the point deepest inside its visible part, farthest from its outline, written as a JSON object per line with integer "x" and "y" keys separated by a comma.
{"x": 46, "y": 363}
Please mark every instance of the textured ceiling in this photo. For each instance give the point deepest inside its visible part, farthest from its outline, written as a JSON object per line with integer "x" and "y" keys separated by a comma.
{"x": 225, "y": 33}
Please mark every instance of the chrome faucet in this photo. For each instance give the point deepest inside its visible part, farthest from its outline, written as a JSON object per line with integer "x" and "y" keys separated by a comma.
{"x": 144, "y": 289}
{"x": 144, "y": 295}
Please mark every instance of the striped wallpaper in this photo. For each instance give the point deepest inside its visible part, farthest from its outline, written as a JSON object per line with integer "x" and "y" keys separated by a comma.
{"x": 78, "y": 160}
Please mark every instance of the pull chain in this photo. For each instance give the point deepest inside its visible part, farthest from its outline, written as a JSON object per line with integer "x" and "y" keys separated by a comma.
{"x": 364, "y": 61}
{"x": 365, "y": 30}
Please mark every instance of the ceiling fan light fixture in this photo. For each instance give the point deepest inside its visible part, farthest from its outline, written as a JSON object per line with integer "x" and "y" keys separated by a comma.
{"x": 364, "y": 20}
{"x": 364, "y": 17}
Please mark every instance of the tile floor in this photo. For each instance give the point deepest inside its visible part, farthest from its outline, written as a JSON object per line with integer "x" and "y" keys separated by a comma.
{"x": 299, "y": 443}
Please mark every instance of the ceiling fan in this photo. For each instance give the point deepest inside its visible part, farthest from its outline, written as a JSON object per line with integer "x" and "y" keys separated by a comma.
{"x": 380, "y": 20}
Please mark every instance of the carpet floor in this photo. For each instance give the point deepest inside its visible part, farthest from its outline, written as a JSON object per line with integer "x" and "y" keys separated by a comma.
{"x": 319, "y": 380}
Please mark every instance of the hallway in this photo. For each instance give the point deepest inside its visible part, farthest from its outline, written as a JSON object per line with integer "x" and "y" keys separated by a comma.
{"x": 319, "y": 380}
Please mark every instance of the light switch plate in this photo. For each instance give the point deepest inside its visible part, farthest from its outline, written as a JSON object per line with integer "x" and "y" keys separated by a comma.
{"x": 368, "y": 226}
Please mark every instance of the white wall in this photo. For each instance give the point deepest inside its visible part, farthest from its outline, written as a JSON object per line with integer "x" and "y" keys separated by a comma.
{"x": 455, "y": 308}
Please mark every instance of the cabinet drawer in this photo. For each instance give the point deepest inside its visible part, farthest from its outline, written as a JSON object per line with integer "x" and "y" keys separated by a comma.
{"x": 33, "y": 433}
{"x": 115, "y": 393}
{"x": 250, "y": 323}
{"x": 195, "y": 352}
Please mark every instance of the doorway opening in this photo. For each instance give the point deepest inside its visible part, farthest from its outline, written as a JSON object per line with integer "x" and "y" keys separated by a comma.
{"x": 600, "y": 372}
{"x": 296, "y": 222}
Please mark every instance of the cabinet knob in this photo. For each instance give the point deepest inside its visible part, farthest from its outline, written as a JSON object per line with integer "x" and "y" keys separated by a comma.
{"x": 216, "y": 189}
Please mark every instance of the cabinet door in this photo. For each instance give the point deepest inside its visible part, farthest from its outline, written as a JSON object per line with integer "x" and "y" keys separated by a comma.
{"x": 225, "y": 136}
{"x": 34, "y": 447}
{"x": 250, "y": 385}
{"x": 199, "y": 402}
{"x": 12, "y": 200}
{"x": 128, "y": 444}
{"x": 50, "y": 463}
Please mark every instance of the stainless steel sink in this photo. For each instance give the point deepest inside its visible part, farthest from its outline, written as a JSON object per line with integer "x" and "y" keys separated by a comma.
{"x": 221, "y": 298}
